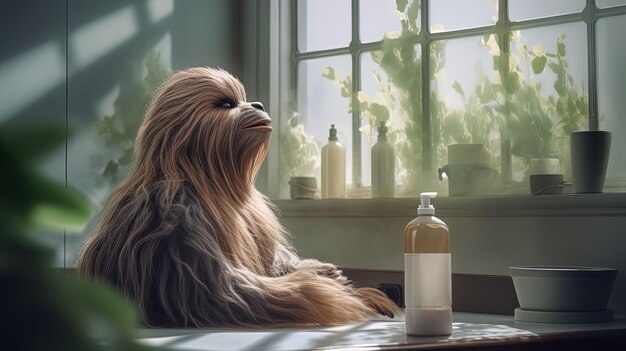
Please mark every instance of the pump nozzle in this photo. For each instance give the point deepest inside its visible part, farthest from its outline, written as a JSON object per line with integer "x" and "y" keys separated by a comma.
{"x": 425, "y": 208}
{"x": 332, "y": 133}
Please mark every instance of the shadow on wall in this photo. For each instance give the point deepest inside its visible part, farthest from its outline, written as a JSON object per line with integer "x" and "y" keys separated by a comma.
{"x": 92, "y": 66}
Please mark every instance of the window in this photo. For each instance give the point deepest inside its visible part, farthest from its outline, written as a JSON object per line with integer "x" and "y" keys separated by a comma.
{"x": 515, "y": 76}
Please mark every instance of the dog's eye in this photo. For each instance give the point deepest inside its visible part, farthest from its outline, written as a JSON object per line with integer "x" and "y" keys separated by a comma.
{"x": 227, "y": 104}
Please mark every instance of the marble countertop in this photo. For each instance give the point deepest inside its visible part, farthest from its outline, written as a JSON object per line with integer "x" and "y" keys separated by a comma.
{"x": 468, "y": 329}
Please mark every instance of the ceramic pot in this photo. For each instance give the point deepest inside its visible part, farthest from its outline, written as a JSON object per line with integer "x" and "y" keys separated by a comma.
{"x": 590, "y": 157}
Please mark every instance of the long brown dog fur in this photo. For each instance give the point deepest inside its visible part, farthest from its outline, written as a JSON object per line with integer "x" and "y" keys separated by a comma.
{"x": 192, "y": 241}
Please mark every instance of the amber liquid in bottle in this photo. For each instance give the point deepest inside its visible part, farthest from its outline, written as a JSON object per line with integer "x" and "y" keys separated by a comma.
{"x": 426, "y": 238}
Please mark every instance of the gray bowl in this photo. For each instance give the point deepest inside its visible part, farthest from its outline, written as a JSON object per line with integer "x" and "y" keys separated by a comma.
{"x": 563, "y": 288}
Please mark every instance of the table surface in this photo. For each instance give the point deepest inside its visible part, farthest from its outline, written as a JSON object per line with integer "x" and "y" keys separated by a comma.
{"x": 468, "y": 329}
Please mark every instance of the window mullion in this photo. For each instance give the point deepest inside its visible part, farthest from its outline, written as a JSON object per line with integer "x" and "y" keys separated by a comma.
{"x": 356, "y": 86}
{"x": 292, "y": 80}
{"x": 502, "y": 29}
{"x": 424, "y": 35}
{"x": 590, "y": 17}
{"x": 503, "y": 11}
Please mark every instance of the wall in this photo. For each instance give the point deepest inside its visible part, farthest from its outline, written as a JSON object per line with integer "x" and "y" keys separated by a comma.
{"x": 479, "y": 245}
{"x": 32, "y": 79}
{"x": 83, "y": 64}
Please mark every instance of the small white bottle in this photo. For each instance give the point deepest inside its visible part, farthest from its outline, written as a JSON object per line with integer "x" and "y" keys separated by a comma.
{"x": 333, "y": 167}
{"x": 383, "y": 165}
{"x": 427, "y": 273}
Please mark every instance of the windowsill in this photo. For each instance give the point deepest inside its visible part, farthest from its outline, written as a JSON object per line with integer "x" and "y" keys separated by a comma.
{"x": 561, "y": 205}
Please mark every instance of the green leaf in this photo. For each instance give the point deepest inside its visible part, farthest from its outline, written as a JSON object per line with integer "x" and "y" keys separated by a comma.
{"x": 454, "y": 130}
{"x": 485, "y": 92}
{"x": 512, "y": 82}
{"x": 32, "y": 142}
{"x": 328, "y": 73}
{"x": 401, "y": 5}
{"x": 16, "y": 196}
{"x": 554, "y": 67}
{"x": 56, "y": 206}
{"x": 485, "y": 38}
{"x": 496, "y": 63}
{"x": 412, "y": 12}
{"x": 100, "y": 300}
{"x": 559, "y": 86}
{"x": 379, "y": 111}
{"x": 571, "y": 107}
{"x": 377, "y": 56}
{"x": 538, "y": 50}
{"x": 582, "y": 106}
{"x": 538, "y": 63}
{"x": 560, "y": 108}
{"x": 70, "y": 313}
{"x": 457, "y": 87}
{"x": 560, "y": 48}
{"x": 346, "y": 87}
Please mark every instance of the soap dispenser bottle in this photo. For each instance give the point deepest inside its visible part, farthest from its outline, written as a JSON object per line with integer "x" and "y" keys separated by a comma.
{"x": 333, "y": 167}
{"x": 427, "y": 273}
{"x": 383, "y": 165}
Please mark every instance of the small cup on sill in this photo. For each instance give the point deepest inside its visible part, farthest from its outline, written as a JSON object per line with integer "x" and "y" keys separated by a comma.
{"x": 303, "y": 187}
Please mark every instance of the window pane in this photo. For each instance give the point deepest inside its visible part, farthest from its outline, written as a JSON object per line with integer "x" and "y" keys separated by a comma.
{"x": 533, "y": 97}
{"x": 373, "y": 83}
{"x": 611, "y": 78}
{"x": 378, "y": 17}
{"x": 463, "y": 108}
{"x": 324, "y": 91}
{"x": 391, "y": 90}
{"x": 552, "y": 98}
{"x": 447, "y": 15}
{"x": 609, "y": 3}
{"x": 324, "y": 24}
{"x": 520, "y": 10}
{"x": 573, "y": 37}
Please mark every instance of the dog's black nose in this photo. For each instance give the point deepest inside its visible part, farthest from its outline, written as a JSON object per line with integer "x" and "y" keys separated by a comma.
{"x": 258, "y": 105}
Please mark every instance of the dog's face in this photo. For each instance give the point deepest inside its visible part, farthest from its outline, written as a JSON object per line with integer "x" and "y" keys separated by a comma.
{"x": 235, "y": 131}
{"x": 200, "y": 122}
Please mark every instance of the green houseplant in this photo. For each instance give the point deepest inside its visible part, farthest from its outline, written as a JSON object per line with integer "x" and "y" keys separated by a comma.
{"x": 43, "y": 308}
{"x": 300, "y": 156}
{"x": 538, "y": 124}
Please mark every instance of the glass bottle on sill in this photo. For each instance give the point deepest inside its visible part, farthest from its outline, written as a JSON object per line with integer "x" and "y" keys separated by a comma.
{"x": 383, "y": 165}
{"x": 427, "y": 273}
{"x": 333, "y": 167}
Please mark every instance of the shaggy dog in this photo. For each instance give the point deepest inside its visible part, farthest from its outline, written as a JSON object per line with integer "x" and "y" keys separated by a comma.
{"x": 189, "y": 238}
